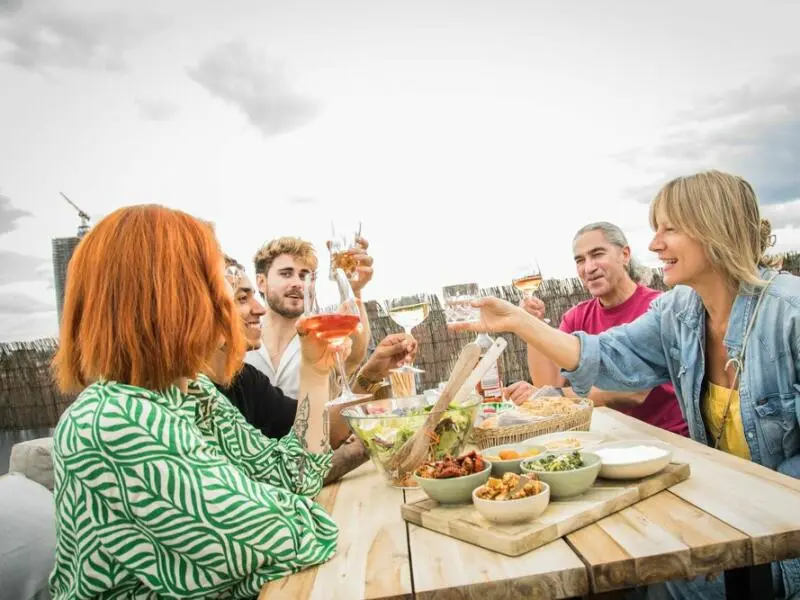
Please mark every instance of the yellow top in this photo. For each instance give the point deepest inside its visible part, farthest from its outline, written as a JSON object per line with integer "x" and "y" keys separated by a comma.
{"x": 732, "y": 440}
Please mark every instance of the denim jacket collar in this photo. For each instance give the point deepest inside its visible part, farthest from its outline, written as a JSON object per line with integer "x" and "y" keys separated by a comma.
{"x": 693, "y": 315}
{"x": 742, "y": 312}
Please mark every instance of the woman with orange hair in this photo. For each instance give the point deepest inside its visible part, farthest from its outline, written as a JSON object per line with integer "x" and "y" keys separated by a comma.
{"x": 162, "y": 488}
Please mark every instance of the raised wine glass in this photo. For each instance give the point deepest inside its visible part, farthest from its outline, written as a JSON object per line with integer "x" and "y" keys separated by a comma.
{"x": 331, "y": 314}
{"x": 408, "y": 312}
{"x": 342, "y": 243}
{"x": 457, "y": 300}
{"x": 527, "y": 279}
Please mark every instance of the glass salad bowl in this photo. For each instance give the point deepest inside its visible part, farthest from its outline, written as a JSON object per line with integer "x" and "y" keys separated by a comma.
{"x": 385, "y": 425}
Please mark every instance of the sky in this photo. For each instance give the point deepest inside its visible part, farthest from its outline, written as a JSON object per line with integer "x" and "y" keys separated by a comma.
{"x": 466, "y": 136}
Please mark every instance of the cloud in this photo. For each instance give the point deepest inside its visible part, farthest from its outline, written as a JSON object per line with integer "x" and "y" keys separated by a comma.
{"x": 9, "y": 215}
{"x": 40, "y": 325}
{"x": 260, "y": 89}
{"x": 783, "y": 215}
{"x": 752, "y": 131}
{"x": 22, "y": 304}
{"x": 45, "y": 35}
{"x": 156, "y": 110}
{"x": 19, "y": 268}
{"x": 9, "y": 6}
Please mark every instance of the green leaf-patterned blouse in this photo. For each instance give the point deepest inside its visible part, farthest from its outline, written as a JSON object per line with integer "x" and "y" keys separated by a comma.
{"x": 173, "y": 495}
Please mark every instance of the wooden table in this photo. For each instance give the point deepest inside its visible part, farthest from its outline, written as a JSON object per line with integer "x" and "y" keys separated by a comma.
{"x": 715, "y": 521}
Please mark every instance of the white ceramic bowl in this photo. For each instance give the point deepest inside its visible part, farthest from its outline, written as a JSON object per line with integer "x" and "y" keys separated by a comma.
{"x": 505, "y": 512}
{"x": 633, "y": 468}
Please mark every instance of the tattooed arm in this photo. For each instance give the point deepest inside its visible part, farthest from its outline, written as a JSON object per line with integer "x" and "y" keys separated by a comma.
{"x": 346, "y": 458}
{"x": 311, "y": 422}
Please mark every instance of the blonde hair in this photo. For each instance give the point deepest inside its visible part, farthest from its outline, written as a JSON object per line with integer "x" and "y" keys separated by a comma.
{"x": 293, "y": 246}
{"x": 721, "y": 212}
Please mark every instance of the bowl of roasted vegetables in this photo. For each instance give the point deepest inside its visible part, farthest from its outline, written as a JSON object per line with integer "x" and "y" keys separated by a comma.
{"x": 567, "y": 473}
{"x": 511, "y": 498}
{"x": 384, "y": 426}
{"x": 452, "y": 480}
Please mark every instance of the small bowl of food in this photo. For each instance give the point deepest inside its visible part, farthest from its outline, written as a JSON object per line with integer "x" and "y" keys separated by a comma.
{"x": 567, "y": 473}
{"x": 507, "y": 458}
{"x": 452, "y": 480}
{"x": 511, "y": 499}
{"x": 633, "y": 459}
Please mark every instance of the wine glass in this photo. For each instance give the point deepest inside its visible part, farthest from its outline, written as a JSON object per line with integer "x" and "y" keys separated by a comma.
{"x": 408, "y": 312}
{"x": 527, "y": 279}
{"x": 331, "y": 314}
{"x": 344, "y": 239}
{"x": 457, "y": 303}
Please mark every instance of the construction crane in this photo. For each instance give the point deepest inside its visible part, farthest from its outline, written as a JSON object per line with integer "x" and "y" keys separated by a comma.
{"x": 85, "y": 218}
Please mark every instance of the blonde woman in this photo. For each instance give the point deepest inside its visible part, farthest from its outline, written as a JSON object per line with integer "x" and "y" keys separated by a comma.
{"x": 727, "y": 337}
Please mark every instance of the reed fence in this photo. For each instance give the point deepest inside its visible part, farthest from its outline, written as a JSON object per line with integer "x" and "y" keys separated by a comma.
{"x": 29, "y": 397}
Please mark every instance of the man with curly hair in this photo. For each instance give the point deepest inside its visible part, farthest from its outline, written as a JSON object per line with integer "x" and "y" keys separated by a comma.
{"x": 280, "y": 266}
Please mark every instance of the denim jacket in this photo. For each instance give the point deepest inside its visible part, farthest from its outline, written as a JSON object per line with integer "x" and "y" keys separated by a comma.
{"x": 667, "y": 345}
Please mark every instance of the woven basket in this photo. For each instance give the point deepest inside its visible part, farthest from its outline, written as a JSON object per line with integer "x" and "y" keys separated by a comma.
{"x": 580, "y": 420}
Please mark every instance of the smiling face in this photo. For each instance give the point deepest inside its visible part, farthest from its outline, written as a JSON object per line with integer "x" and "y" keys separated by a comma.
{"x": 685, "y": 261}
{"x": 249, "y": 308}
{"x": 283, "y": 285}
{"x": 250, "y": 311}
{"x": 601, "y": 265}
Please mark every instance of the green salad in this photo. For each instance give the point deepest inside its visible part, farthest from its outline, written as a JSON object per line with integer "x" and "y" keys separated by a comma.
{"x": 384, "y": 435}
{"x": 556, "y": 462}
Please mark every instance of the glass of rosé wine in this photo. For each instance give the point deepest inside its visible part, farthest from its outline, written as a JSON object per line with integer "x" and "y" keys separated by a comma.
{"x": 332, "y": 314}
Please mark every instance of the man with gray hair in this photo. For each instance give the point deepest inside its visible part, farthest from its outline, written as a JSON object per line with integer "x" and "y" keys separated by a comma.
{"x": 609, "y": 273}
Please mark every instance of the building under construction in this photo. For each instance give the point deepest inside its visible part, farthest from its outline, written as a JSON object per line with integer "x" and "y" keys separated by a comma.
{"x": 62, "y": 252}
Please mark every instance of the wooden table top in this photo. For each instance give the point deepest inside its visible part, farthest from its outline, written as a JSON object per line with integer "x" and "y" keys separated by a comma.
{"x": 713, "y": 521}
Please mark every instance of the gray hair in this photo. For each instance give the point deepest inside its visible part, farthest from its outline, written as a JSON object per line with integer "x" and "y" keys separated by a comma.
{"x": 614, "y": 236}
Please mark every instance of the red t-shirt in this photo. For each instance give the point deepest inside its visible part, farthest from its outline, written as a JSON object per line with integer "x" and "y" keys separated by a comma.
{"x": 660, "y": 408}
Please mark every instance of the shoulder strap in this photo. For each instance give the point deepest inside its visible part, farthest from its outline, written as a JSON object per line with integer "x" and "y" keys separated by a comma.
{"x": 738, "y": 360}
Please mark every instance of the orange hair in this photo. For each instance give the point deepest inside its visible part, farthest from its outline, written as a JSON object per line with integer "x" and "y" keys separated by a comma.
{"x": 146, "y": 303}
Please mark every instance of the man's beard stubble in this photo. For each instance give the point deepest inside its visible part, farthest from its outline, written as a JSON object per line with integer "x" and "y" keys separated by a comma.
{"x": 275, "y": 303}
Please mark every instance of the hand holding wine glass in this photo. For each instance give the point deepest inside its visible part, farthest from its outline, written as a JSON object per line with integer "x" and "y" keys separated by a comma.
{"x": 392, "y": 351}
{"x": 496, "y": 316}
{"x": 331, "y": 314}
{"x": 363, "y": 269}
{"x": 534, "y": 306}
{"x": 317, "y": 353}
